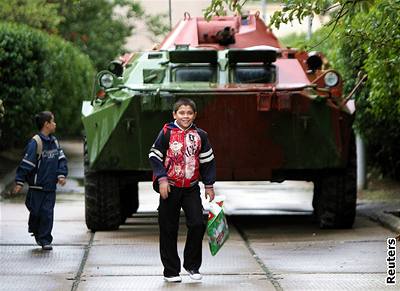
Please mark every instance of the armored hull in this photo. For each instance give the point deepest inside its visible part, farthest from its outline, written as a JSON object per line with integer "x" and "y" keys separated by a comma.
{"x": 272, "y": 113}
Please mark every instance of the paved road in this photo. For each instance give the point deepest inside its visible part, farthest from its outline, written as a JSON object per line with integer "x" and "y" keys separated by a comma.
{"x": 278, "y": 249}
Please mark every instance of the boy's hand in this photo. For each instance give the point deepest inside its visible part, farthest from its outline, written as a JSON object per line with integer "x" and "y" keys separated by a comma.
{"x": 210, "y": 193}
{"x": 61, "y": 181}
{"x": 164, "y": 190}
{"x": 17, "y": 189}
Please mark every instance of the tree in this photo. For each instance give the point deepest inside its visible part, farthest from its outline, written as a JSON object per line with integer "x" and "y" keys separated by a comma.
{"x": 40, "y": 72}
{"x": 337, "y": 9}
{"x": 98, "y": 28}
{"x": 40, "y": 14}
{"x": 377, "y": 33}
{"x": 94, "y": 28}
{"x": 219, "y": 7}
{"x": 157, "y": 26}
{"x": 296, "y": 9}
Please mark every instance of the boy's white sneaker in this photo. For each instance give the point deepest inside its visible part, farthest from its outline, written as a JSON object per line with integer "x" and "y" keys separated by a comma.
{"x": 194, "y": 274}
{"x": 174, "y": 279}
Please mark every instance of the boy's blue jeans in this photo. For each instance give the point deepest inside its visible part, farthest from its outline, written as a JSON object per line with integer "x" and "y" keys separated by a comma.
{"x": 168, "y": 219}
{"x": 41, "y": 214}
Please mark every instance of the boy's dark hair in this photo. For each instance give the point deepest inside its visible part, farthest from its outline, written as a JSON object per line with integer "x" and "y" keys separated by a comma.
{"x": 42, "y": 117}
{"x": 185, "y": 101}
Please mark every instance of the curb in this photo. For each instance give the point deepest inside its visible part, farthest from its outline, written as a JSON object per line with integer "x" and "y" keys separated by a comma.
{"x": 389, "y": 220}
{"x": 384, "y": 215}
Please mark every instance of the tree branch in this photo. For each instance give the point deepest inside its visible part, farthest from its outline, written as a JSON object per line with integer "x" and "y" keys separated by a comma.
{"x": 336, "y": 20}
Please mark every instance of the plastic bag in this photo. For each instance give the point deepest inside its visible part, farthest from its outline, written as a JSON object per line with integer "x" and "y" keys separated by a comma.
{"x": 217, "y": 227}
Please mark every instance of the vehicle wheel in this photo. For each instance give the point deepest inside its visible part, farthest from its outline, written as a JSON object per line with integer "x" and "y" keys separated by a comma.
{"x": 129, "y": 194}
{"x": 335, "y": 195}
{"x": 316, "y": 196}
{"x": 102, "y": 199}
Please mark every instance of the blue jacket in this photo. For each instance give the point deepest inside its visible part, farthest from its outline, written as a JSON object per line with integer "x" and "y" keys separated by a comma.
{"x": 42, "y": 174}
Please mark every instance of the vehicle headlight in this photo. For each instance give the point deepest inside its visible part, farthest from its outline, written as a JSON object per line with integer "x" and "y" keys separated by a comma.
{"x": 106, "y": 80}
{"x": 331, "y": 79}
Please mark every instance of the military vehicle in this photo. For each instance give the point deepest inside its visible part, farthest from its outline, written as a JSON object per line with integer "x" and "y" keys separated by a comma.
{"x": 272, "y": 113}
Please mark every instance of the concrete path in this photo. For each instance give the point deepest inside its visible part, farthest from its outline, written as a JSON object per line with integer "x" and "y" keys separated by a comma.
{"x": 274, "y": 245}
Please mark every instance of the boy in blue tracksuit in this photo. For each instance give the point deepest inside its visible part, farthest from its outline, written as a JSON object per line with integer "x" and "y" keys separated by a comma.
{"x": 43, "y": 166}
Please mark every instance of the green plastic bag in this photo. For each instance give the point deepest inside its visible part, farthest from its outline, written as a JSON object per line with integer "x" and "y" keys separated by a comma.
{"x": 217, "y": 227}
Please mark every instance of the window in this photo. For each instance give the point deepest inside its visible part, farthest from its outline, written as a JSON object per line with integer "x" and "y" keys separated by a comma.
{"x": 194, "y": 74}
{"x": 253, "y": 74}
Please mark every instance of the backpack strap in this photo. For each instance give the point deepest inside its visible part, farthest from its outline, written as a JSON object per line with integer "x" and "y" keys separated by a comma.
{"x": 57, "y": 144}
{"x": 39, "y": 146}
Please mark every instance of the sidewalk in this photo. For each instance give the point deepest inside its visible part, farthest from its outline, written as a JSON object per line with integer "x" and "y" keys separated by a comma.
{"x": 380, "y": 203}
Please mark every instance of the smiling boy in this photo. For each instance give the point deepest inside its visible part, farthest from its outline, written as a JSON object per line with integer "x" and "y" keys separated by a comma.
{"x": 180, "y": 157}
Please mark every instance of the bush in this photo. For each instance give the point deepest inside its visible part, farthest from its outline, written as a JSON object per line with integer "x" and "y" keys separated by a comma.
{"x": 40, "y": 72}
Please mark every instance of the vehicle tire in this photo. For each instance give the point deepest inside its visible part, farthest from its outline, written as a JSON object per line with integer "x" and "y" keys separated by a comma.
{"x": 335, "y": 195}
{"x": 129, "y": 195}
{"x": 102, "y": 199}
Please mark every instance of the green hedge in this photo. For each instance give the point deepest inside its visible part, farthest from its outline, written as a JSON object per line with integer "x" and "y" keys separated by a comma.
{"x": 378, "y": 105}
{"x": 40, "y": 72}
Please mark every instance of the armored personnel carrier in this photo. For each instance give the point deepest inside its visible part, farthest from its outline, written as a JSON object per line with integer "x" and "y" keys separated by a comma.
{"x": 272, "y": 113}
